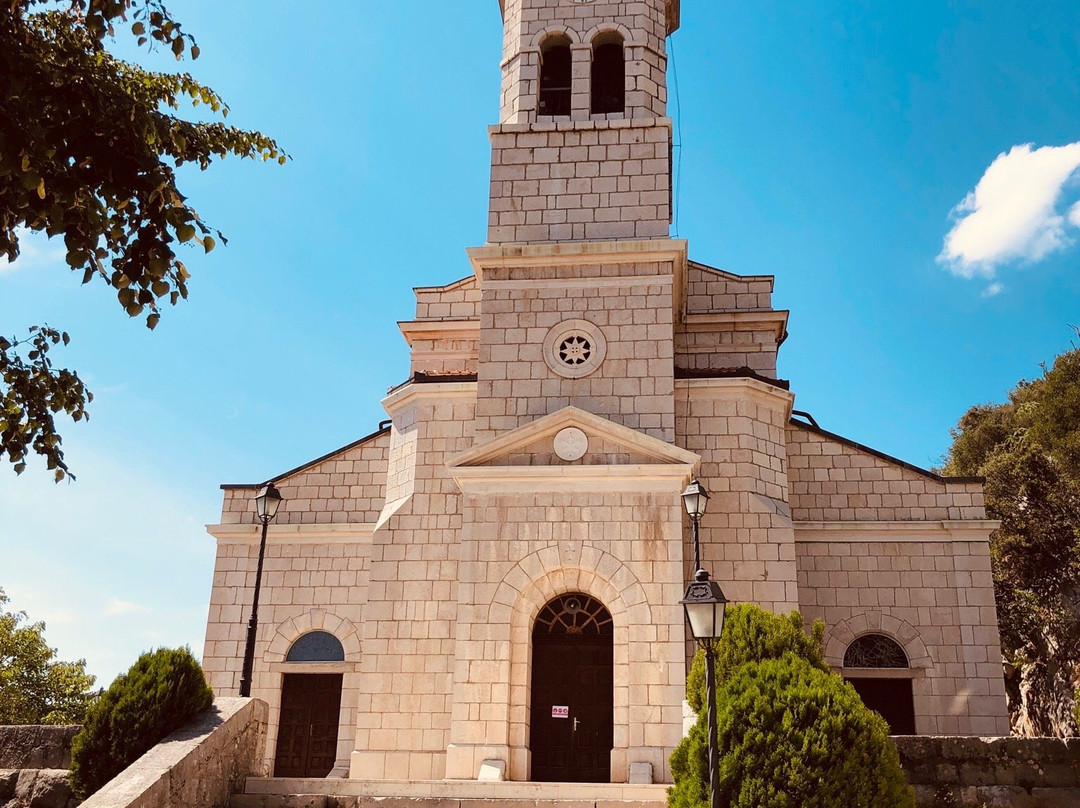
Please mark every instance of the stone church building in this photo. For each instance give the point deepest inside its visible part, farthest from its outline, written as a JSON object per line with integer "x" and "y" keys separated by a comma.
{"x": 489, "y": 583}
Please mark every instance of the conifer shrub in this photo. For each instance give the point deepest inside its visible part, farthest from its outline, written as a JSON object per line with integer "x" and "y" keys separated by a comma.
{"x": 158, "y": 695}
{"x": 791, "y": 736}
{"x": 752, "y": 634}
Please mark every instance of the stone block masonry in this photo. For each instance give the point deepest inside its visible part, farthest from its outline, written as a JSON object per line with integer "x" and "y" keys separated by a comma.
{"x": 583, "y": 181}
{"x": 1000, "y": 772}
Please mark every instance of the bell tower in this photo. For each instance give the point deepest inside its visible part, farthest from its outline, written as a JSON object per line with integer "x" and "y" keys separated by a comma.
{"x": 583, "y": 148}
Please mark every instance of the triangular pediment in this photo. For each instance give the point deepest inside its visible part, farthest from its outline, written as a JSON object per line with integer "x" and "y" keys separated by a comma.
{"x": 573, "y": 445}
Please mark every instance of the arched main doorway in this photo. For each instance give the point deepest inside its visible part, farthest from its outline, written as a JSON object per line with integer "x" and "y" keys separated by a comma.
{"x": 572, "y": 720}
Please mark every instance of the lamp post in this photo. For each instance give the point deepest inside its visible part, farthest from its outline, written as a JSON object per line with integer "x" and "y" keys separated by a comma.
{"x": 704, "y": 604}
{"x": 695, "y": 498}
{"x": 266, "y": 505}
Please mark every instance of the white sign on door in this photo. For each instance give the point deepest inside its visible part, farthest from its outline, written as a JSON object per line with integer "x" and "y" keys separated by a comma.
{"x": 560, "y": 712}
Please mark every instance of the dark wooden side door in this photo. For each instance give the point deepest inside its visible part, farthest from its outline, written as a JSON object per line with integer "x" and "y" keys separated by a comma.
{"x": 575, "y": 673}
{"x": 307, "y": 734}
{"x": 892, "y": 698}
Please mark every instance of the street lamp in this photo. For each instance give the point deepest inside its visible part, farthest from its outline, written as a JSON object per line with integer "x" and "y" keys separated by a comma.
{"x": 695, "y": 498}
{"x": 704, "y": 603}
{"x": 266, "y": 506}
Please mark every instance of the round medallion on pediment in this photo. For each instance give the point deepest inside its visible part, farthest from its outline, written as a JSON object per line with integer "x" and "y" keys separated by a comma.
{"x": 571, "y": 444}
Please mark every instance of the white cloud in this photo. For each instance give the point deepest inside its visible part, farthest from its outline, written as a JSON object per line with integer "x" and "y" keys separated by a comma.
{"x": 993, "y": 290}
{"x": 35, "y": 251}
{"x": 117, "y": 606}
{"x": 1074, "y": 215}
{"x": 1012, "y": 215}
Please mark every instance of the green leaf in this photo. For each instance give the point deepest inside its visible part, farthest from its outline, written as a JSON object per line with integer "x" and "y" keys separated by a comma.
{"x": 208, "y": 243}
{"x": 185, "y": 232}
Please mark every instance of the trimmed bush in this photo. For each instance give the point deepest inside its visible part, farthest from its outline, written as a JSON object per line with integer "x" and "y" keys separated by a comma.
{"x": 752, "y": 634}
{"x": 158, "y": 695}
{"x": 791, "y": 736}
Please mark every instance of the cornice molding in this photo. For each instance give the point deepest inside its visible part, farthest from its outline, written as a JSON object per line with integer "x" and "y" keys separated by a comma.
{"x": 291, "y": 534}
{"x": 429, "y": 390}
{"x": 731, "y": 387}
{"x": 881, "y": 532}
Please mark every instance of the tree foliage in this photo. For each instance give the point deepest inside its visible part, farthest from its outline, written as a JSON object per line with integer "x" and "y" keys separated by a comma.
{"x": 35, "y": 687}
{"x": 791, "y": 734}
{"x": 158, "y": 695}
{"x": 89, "y": 147}
{"x": 752, "y": 634}
{"x": 1028, "y": 449}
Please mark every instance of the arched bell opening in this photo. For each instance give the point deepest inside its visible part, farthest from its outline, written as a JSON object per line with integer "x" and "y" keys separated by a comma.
{"x": 572, "y": 718}
{"x": 608, "y": 79}
{"x": 556, "y": 71}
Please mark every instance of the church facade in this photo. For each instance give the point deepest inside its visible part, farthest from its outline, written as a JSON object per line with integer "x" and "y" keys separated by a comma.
{"x": 488, "y": 585}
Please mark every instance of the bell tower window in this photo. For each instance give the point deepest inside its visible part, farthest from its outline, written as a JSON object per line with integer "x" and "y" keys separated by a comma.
{"x": 555, "y": 74}
{"x": 608, "y": 75}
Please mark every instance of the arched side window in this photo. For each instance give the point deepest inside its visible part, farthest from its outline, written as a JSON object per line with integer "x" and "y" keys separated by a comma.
{"x": 555, "y": 75}
{"x": 608, "y": 74}
{"x": 875, "y": 651}
{"x": 316, "y": 646}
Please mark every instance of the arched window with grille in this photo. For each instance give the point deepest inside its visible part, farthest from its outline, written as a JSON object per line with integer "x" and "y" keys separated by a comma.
{"x": 608, "y": 74}
{"x": 555, "y": 75}
{"x": 878, "y": 669}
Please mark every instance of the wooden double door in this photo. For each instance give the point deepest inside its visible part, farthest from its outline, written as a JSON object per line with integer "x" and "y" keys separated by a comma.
{"x": 308, "y": 730}
{"x": 571, "y": 727}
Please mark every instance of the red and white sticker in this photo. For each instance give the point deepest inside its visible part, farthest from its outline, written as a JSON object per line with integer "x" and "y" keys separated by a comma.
{"x": 560, "y": 712}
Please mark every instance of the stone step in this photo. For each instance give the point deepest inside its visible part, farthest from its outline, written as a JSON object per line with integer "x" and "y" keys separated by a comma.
{"x": 359, "y": 801}
{"x": 463, "y": 793}
{"x": 280, "y": 801}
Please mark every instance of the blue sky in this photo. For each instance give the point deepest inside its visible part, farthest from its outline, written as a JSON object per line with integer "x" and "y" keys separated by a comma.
{"x": 874, "y": 157}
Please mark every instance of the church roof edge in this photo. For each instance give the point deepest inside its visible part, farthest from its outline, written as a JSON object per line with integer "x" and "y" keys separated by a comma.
{"x": 278, "y": 477}
{"x": 882, "y": 456}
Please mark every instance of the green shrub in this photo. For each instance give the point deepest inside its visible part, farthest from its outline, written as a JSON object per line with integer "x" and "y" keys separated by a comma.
{"x": 791, "y": 736}
{"x": 752, "y": 634}
{"x": 158, "y": 695}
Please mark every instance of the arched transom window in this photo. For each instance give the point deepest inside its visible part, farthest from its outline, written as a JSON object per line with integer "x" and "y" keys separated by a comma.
{"x": 875, "y": 651}
{"x": 316, "y": 646}
{"x": 572, "y": 614}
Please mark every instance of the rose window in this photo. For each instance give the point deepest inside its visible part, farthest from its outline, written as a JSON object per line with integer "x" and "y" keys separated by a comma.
{"x": 575, "y": 350}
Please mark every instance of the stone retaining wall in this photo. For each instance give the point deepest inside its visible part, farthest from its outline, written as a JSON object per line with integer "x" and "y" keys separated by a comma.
{"x": 992, "y": 772}
{"x": 198, "y": 766}
{"x": 34, "y": 747}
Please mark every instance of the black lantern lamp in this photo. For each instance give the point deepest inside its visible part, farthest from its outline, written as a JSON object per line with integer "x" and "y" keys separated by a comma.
{"x": 704, "y": 604}
{"x": 267, "y": 502}
{"x": 695, "y": 499}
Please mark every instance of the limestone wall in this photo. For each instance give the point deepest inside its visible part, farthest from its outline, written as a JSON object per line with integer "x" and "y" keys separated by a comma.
{"x": 198, "y": 766}
{"x": 1001, "y": 772}
{"x": 747, "y": 543}
{"x": 595, "y": 182}
{"x": 629, "y": 306}
{"x": 834, "y": 480}
{"x": 931, "y": 592}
